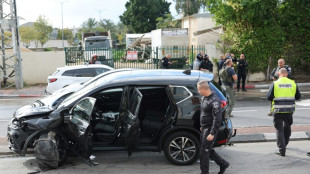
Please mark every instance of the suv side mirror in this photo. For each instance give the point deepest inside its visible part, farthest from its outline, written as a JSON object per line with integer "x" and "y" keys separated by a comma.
{"x": 66, "y": 115}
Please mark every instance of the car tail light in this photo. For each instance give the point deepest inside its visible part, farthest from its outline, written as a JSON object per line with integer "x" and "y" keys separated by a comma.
{"x": 223, "y": 103}
{"x": 222, "y": 141}
{"x": 52, "y": 80}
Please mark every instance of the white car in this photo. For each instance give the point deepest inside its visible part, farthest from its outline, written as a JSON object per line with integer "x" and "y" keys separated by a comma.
{"x": 68, "y": 75}
{"x": 77, "y": 86}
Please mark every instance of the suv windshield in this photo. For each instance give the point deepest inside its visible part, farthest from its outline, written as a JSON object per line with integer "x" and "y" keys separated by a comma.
{"x": 97, "y": 43}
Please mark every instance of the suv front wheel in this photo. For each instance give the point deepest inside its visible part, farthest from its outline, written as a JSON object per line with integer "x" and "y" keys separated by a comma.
{"x": 182, "y": 148}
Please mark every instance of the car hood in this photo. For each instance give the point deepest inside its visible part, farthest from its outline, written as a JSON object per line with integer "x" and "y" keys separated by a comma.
{"x": 42, "y": 106}
{"x": 30, "y": 110}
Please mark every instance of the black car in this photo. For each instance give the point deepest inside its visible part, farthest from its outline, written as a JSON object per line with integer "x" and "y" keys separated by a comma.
{"x": 156, "y": 110}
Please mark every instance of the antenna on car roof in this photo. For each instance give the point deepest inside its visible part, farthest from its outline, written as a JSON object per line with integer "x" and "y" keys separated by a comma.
{"x": 187, "y": 72}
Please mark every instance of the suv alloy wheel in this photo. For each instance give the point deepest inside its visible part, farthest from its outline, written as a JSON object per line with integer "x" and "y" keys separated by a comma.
{"x": 182, "y": 148}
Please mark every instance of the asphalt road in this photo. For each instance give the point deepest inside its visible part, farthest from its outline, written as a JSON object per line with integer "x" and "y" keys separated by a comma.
{"x": 258, "y": 158}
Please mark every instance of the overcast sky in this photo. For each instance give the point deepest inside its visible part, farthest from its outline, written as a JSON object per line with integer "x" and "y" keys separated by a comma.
{"x": 75, "y": 12}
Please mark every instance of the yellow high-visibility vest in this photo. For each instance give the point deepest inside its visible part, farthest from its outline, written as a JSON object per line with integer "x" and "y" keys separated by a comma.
{"x": 284, "y": 95}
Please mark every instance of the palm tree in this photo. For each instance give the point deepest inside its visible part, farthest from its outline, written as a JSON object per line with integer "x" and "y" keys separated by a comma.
{"x": 89, "y": 25}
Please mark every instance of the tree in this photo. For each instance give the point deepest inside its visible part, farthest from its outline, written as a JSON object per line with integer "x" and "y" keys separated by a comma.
{"x": 121, "y": 32}
{"x": 89, "y": 25}
{"x": 42, "y": 29}
{"x": 140, "y": 15}
{"x": 255, "y": 26}
{"x": 167, "y": 22}
{"x": 108, "y": 25}
{"x": 295, "y": 23}
{"x": 68, "y": 35}
{"x": 187, "y": 7}
{"x": 27, "y": 34}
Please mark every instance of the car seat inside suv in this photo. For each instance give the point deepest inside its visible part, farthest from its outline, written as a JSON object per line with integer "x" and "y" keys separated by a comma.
{"x": 153, "y": 112}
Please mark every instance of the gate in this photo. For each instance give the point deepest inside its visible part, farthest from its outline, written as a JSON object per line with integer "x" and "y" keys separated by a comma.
{"x": 181, "y": 57}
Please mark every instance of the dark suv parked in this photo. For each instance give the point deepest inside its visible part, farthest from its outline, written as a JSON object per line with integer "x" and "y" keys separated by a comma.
{"x": 157, "y": 110}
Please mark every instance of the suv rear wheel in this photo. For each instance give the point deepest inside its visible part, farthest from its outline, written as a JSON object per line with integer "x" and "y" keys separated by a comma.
{"x": 182, "y": 148}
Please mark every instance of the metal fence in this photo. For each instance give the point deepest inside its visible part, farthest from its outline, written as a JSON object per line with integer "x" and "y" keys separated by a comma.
{"x": 181, "y": 56}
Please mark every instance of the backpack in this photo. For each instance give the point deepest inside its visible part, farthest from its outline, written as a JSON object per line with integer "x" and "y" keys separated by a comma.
{"x": 223, "y": 74}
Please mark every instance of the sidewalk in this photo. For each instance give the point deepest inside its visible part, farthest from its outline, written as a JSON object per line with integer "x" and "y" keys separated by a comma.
{"x": 32, "y": 91}
{"x": 264, "y": 134}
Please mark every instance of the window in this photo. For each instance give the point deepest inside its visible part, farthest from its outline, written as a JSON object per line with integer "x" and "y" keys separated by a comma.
{"x": 86, "y": 72}
{"x": 134, "y": 102}
{"x": 69, "y": 73}
{"x": 100, "y": 70}
{"x": 83, "y": 109}
{"x": 180, "y": 93}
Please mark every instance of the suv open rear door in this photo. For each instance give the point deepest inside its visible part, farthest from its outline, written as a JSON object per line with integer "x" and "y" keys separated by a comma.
{"x": 131, "y": 121}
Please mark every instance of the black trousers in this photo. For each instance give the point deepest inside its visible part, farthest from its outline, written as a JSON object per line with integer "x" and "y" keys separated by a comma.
{"x": 241, "y": 76}
{"x": 207, "y": 151}
{"x": 282, "y": 123}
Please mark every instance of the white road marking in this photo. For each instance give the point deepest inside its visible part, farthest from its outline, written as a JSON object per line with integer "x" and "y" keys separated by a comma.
{"x": 303, "y": 102}
{"x": 246, "y": 111}
{"x": 5, "y": 120}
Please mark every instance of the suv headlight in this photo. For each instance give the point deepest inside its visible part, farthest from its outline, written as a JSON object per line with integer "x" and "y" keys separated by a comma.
{"x": 16, "y": 124}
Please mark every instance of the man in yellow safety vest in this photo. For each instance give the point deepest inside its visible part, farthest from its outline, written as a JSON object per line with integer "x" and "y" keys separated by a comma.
{"x": 283, "y": 94}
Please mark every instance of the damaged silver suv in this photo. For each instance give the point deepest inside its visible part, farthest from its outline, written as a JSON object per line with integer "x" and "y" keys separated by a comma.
{"x": 156, "y": 110}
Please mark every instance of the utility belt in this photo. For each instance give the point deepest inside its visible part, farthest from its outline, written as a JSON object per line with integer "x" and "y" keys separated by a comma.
{"x": 207, "y": 127}
{"x": 230, "y": 84}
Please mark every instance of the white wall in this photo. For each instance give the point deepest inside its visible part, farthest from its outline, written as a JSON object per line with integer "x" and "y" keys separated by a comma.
{"x": 37, "y": 66}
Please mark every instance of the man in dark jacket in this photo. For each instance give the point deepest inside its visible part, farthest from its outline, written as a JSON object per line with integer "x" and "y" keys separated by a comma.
{"x": 241, "y": 64}
{"x": 206, "y": 64}
{"x": 165, "y": 62}
{"x": 281, "y": 64}
{"x": 210, "y": 121}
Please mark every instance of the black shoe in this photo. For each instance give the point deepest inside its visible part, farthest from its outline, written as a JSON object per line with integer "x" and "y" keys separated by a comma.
{"x": 244, "y": 90}
{"x": 308, "y": 153}
{"x": 223, "y": 168}
{"x": 280, "y": 154}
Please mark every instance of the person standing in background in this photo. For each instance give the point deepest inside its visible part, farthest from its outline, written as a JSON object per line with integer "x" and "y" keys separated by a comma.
{"x": 198, "y": 61}
{"x": 165, "y": 63}
{"x": 241, "y": 64}
{"x": 206, "y": 64}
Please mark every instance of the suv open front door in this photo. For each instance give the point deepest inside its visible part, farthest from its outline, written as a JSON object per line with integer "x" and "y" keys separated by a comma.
{"x": 131, "y": 121}
{"x": 79, "y": 125}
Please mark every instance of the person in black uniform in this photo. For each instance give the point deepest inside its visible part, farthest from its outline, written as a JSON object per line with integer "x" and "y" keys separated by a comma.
{"x": 206, "y": 64}
{"x": 242, "y": 64}
{"x": 210, "y": 120}
{"x": 165, "y": 62}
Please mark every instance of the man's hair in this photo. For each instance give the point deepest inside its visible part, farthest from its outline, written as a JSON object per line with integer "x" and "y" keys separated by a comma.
{"x": 203, "y": 84}
{"x": 283, "y": 71}
{"x": 228, "y": 62}
{"x": 168, "y": 55}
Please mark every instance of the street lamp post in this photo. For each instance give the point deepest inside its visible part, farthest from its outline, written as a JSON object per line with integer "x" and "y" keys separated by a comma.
{"x": 62, "y": 24}
{"x": 62, "y": 21}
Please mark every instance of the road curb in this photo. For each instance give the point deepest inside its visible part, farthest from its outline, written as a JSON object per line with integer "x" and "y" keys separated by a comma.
{"x": 267, "y": 137}
{"x": 19, "y": 95}
{"x": 266, "y": 86}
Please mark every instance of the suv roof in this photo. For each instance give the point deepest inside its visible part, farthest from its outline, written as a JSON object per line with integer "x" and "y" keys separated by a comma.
{"x": 154, "y": 76}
